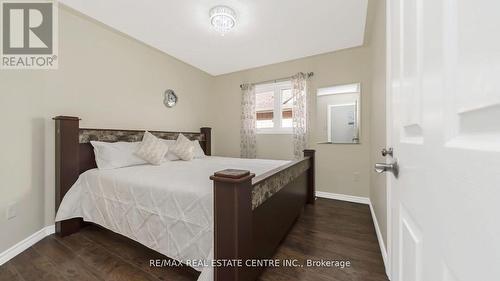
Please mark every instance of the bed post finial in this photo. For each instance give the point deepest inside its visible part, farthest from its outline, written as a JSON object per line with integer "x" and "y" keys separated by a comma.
{"x": 232, "y": 222}
{"x": 311, "y": 189}
{"x": 67, "y": 166}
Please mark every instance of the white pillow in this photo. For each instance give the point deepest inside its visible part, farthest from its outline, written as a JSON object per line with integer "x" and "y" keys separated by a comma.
{"x": 170, "y": 155}
{"x": 198, "y": 151}
{"x": 152, "y": 149}
{"x": 183, "y": 148}
{"x": 116, "y": 155}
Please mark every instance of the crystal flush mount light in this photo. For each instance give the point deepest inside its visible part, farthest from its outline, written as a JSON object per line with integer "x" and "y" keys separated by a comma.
{"x": 222, "y": 18}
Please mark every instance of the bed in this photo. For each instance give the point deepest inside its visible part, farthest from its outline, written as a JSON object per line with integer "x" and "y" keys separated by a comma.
{"x": 211, "y": 208}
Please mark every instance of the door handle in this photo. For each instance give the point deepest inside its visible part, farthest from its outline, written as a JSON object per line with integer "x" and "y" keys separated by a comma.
{"x": 392, "y": 167}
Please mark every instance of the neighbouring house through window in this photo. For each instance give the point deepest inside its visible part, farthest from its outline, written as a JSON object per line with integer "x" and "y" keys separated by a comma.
{"x": 273, "y": 106}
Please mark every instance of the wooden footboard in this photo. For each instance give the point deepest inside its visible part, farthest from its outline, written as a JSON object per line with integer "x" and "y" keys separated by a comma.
{"x": 254, "y": 214}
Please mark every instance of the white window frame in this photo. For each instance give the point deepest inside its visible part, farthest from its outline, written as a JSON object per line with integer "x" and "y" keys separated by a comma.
{"x": 276, "y": 87}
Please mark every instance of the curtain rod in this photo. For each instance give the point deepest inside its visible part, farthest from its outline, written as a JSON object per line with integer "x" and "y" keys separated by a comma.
{"x": 309, "y": 75}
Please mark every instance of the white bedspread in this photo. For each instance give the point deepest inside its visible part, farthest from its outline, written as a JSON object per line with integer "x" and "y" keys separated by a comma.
{"x": 168, "y": 208}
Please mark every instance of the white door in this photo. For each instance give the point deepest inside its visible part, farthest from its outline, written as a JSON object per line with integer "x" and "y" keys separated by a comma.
{"x": 444, "y": 84}
{"x": 342, "y": 119}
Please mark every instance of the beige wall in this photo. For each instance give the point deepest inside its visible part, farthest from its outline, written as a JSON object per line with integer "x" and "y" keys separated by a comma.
{"x": 107, "y": 79}
{"x": 378, "y": 120}
{"x": 341, "y": 168}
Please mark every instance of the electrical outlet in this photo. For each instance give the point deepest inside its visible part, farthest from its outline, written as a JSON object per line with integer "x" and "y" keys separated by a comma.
{"x": 11, "y": 211}
{"x": 356, "y": 176}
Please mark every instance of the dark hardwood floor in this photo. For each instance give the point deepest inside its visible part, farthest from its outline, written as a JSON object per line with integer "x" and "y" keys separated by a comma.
{"x": 331, "y": 230}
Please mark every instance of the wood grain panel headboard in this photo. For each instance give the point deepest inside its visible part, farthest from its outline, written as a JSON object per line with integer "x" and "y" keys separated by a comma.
{"x": 75, "y": 154}
{"x": 86, "y": 151}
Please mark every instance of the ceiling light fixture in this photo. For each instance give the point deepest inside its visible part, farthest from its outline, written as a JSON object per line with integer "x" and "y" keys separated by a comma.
{"x": 222, "y": 18}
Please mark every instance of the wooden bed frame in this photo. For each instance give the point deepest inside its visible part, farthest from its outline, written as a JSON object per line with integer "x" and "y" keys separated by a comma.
{"x": 252, "y": 215}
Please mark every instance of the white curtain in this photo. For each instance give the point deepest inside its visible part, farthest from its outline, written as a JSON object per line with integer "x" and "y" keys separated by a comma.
{"x": 248, "y": 144}
{"x": 300, "y": 113}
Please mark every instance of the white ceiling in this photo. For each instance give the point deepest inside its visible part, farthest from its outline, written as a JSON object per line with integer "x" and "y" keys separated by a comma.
{"x": 267, "y": 31}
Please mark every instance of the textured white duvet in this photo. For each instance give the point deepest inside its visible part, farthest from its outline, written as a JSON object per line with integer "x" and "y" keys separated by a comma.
{"x": 167, "y": 208}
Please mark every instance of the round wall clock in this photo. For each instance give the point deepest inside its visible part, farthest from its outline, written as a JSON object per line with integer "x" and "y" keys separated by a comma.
{"x": 170, "y": 98}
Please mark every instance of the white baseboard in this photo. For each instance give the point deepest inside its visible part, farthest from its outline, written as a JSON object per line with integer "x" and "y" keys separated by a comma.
{"x": 362, "y": 200}
{"x": 26, "y": 243}
{"x": 381, "y": 243}
{"x": 343, "y": 197}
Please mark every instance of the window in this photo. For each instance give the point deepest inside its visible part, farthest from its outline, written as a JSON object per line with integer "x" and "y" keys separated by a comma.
{"x": 274, "y": 108}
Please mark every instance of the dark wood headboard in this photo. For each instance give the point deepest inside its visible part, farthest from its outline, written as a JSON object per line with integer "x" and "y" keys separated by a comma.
{"x": 75, "y": 154}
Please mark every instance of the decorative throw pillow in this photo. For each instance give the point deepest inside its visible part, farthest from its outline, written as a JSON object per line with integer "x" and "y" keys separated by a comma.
{"x": 183, "y": 148}
{"x": 152, "y": 149}
{"x": 198, "y": 151}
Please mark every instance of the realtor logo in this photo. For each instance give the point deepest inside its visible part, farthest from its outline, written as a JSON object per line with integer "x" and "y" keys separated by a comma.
{"x": 29, "y": 35}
